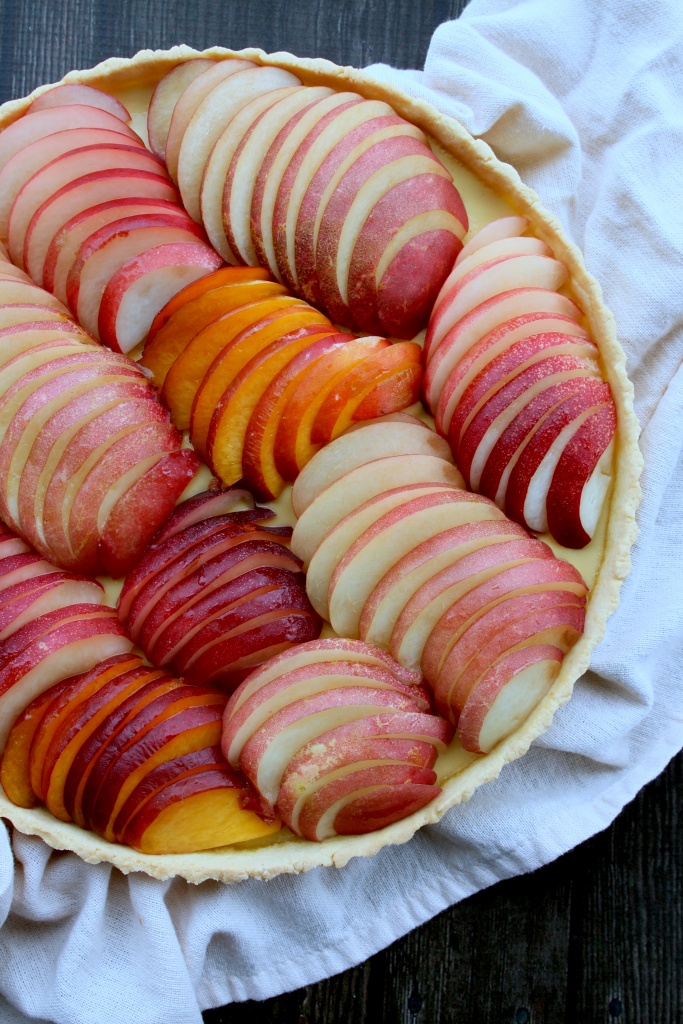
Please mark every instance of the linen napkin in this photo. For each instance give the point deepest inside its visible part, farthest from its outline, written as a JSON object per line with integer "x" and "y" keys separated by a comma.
{"x": 585, "y": 100}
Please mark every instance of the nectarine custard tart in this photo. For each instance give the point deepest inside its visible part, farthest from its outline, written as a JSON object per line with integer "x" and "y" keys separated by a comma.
{"x": 318, "y": 464}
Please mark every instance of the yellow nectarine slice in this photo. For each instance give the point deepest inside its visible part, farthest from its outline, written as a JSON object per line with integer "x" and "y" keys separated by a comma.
{"x": 258, "y": 455}
{"x": 15, "y": 774}
{"x": 230, "y": 421}
{"x": 63, "y": 705}
{"x": 235, "y": 355}
{"x": 195, "y": 814}
{"x": 226, "y": 275}
{"x": 187, "y": 372}
{"x": 173, "y": 337}
{"x": 293, "y": 444}
{"x": 339, "y": 408}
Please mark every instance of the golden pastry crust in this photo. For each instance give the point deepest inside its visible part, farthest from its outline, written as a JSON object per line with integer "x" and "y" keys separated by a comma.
{"x": 287, "y": 854}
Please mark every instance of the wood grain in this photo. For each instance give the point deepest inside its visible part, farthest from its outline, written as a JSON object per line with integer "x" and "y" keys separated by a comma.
{"x": 40, "y": 40}
{"x": 597, "y": 936}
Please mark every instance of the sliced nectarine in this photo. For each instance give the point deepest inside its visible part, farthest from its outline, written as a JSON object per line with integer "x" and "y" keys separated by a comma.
{"x": 235, "y": 355}
{"x": 15, "y": 773}
{"x": 226, "y": 275}
{"x": 196, "y": 353}
{"x": 293, "y": 444}
{"x": 356, "y": 389}
{"x": 201, "y": 812}
{"x": 230, "y": 421}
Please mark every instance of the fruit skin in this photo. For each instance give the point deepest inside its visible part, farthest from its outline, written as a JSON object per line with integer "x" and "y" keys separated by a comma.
{"x": 15, "y": 775}
{"x": 127, "y": 531}
{"x": 164, "y": 98}
{"x": 61, "y": 95}
{"x": 138, "y": 289}
{"x": 360, "y": 722}
{"x": 217, "y": 593}
{"x": 41, "y": 653}
{"x": 197, "y": 812}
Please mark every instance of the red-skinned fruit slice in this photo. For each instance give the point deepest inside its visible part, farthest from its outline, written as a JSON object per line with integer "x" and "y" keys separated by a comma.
{"x": 76, "y": 638}
{"x": 92, "y": 190}
{"x": 15, "y": 763}
{"x": 200, "y": 812}
{"x": 164, "y": 98}
{"x": 75, "y": 93}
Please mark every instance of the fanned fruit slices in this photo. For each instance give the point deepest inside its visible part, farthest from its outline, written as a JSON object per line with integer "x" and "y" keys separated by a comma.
{"x": 279, "y": 211}
{"x": 82, "y": 435}
{"x": 93, "y": 215}
{"x": 342, "y": 199}
{"x": 133, "y": 754}
{"x": 515, "y": 384}
{"x": 217, "y": 593}
{"x": 262, "y": 380}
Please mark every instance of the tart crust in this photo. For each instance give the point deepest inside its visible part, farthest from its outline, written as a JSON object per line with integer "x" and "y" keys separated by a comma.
{"x": 286, "y": 853}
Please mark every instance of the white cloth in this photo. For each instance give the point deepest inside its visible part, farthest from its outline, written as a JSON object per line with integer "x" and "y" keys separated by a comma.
{"x": 585, "y": 99}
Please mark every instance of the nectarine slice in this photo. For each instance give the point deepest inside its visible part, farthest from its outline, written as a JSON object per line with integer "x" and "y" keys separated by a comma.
{"x": 15, "y": 765}
{"x": 360, "y": 385}
{"x": 293, "y": 445}
{"x": 188, "y": 101}
{"x": 365, "y": 442}
{"x": 201, "y": 812}
{"x": 195, "y": 354}
{"x": 212, "y": 116}
{"x": 230, "y": 421}
{"x": 506, "y": 694}
{"x": 234, "y": 355}
{"x": 166, "y": 94}
{"x": 192, "y": 291}
{"x": 258, "y": 454}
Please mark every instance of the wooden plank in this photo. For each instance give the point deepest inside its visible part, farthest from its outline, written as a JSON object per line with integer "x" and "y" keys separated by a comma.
{"x": 597, "y": 936}
{"x": 41, "y": 41}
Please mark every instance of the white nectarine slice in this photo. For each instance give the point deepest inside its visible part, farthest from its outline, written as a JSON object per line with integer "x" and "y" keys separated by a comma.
{"x": 357, "y": 486}
{"x": 30, "y": 159}
{"x": 218, "y": 162}
{"x": 188, "y": 101}
{"x": 51, "y": 269}
{"x": 41, "y": 243}
{"x": 318, "y": 184}
{"x": 499, "y": 275}
{"x": 74, "y": 92}
{"x": 143, "y": 285}
{"x": 62, "y": 171}
{"x": 166, "y": 94}
{"x": 78, "y": 639}
{"x": 330, "y": 649}
{"x": 438, "y": 593}
{"x": 506, "y": 695}
{"x": 277, "y": 159}
{"x": 339, "y": 540}
{"x": 494, "y": 345}
{"x": 327, "y": 143}
{"x": 238, "y": 168}
{"x": 380, "y": 546}
{"x": 212, "y": 115}
{"x": 26, "y": 130}
{"x": 494, "y": 231}
{"x": 420, "y": 566}
{"x": 364, "y": 443}
{"x": 581, "y": 480}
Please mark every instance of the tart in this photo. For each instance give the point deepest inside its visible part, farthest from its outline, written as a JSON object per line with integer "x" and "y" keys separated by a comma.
{"x": 491, "y": 193}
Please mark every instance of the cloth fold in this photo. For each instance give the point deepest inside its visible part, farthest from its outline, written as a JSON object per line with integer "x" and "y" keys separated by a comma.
{"x": 585, "y": 101}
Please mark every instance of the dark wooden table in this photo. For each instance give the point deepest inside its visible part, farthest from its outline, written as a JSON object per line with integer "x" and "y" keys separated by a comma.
{"x": 598, "y": 935}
